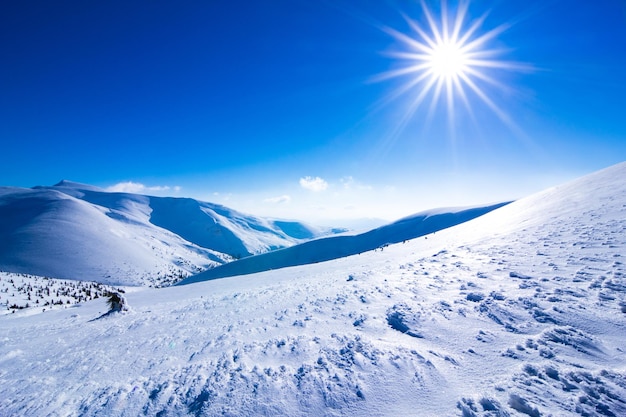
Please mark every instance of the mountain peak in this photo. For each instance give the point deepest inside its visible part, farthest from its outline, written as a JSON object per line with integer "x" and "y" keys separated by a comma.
{"x": 76, "y": 185}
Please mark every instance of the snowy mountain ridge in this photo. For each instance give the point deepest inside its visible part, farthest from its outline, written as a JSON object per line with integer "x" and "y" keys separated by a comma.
{"x": 520, "y": 312}
{"x": 333, "y": 247}
{"x": 77, "y": 231}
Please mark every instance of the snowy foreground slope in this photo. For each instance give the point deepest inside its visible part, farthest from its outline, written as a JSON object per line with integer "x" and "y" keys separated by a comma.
{"x": 77, "y": 231}
{"x": 521, "y": 312}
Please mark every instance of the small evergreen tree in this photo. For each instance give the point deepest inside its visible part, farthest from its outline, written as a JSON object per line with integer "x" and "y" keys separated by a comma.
{"x": 116, "y": 301}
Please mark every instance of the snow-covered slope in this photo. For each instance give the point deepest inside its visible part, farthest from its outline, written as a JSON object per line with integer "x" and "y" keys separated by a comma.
{"x": 334, "y": 247}
{"x": 520, "y": 312}
{"x": 76, "y": 231}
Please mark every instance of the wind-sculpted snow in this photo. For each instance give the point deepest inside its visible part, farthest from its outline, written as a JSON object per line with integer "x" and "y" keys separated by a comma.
{"x": 334, "y": 247}
{"x": 519, "y": 312}
{"x": 75, "y": 231}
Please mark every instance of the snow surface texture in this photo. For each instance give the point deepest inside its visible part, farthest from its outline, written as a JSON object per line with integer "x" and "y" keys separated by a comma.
{"x": 76, "y": 231}
{"x": 520, "y": 312}
{"x": 335, "y": 247}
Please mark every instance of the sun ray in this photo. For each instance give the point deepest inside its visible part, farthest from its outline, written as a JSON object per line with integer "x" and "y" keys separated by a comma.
{"x": 400, "y": 91}
{"x": 458, "y": 22}
{"x": 413, "y": 106}
{"x": 400, "y": 72}
{"x": 444, "y": 23}
{"x": 475, "y": 26}
{"x": 503, "y": 116}
{"x": 408, "y": 40}
{"x": 461, "y": 92}
{"x": 431, "y": 42}
{"x": 479, "y": 42}
{"x": 433, "y": 25}
{"x": 449, "y": 60}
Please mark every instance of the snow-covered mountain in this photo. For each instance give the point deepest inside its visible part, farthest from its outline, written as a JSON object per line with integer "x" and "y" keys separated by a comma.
{"x": 520, "y": 312}
{"x": 334, "y": 247}
{"x": 77, "y": 231}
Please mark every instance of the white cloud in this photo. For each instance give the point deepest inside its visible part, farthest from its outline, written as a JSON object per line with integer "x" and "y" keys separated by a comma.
{"x": 278, "y": 200}
{"x": 138, "y": 188}
{"x": 313, "y": 184}
{"x": 350, "y": 183}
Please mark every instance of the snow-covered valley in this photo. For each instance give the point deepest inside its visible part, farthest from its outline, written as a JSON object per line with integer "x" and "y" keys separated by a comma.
{"x": 334, "y": 247}
{"x": 519, "y": 312}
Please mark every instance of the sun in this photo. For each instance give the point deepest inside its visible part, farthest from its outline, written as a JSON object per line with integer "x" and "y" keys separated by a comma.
{"x": 449, "y": 59}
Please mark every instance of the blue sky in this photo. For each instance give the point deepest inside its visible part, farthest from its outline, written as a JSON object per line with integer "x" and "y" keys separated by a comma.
{"x": 278, "y": 108}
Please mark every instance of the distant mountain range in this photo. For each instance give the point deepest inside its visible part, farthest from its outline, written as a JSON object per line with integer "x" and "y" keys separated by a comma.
{"x": 81, "y": 232}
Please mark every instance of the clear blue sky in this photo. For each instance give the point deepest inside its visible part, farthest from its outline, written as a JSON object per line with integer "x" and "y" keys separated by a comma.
{"x": 276, "y": 107}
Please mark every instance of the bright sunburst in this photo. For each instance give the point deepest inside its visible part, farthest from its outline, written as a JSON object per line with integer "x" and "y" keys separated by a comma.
{"x": 449, "y": 58}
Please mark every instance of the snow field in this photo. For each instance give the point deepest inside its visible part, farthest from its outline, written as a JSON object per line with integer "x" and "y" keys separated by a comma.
{"x": 517, "y": 313}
